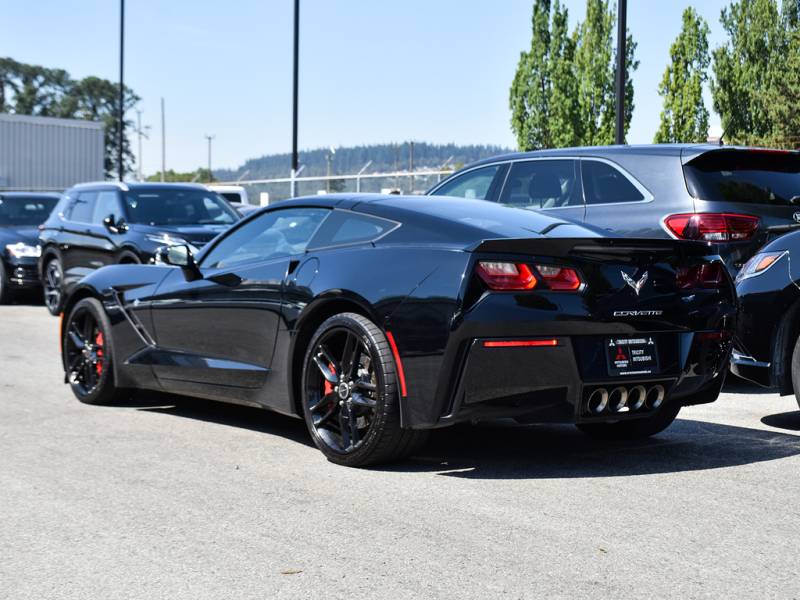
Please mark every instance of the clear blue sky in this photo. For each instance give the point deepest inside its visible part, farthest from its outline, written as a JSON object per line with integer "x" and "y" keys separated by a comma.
{"x": 371, "y": 71}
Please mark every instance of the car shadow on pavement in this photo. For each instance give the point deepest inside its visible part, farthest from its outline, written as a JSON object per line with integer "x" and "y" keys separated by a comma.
{"x": 788, "y": 420}
{"x": 500, "y": 451}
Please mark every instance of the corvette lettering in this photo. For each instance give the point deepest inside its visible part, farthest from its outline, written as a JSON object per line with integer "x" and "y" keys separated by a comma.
{"x": 638, "y": 313}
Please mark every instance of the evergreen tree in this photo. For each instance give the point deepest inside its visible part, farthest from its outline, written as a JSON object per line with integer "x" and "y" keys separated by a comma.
{"x": 747, "y": 66}
{"x": 783, "y": 99}
{"x": 685, "y": 117}
{"x": 595, "y": 70}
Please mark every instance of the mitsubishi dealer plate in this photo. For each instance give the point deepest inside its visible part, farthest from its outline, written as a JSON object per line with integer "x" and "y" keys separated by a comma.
{"x": 631, "y": 356}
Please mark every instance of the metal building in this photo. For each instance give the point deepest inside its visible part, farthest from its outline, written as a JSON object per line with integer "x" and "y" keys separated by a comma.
{"x": 43, "y": 153}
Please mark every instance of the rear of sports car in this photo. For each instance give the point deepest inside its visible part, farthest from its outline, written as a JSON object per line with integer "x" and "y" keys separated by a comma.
{"x": 592, "y": 330}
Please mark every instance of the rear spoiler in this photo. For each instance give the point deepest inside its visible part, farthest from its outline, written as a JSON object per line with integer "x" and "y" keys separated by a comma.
{"x": 561, "y": 247}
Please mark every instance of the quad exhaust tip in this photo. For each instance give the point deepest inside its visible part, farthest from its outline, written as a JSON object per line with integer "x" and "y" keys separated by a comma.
{"x": 622, "y": 399}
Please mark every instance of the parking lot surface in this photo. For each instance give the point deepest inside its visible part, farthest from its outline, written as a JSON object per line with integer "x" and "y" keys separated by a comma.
{"x": 182, "y": 498}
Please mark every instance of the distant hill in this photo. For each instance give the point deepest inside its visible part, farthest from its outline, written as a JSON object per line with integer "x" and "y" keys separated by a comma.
{"x": 384, "y": 157}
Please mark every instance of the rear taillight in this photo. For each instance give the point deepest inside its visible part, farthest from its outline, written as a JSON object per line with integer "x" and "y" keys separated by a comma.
{"x": 706, "y": 276}
{"x": 560, "y": 279}
{"x": 712, "y": 227}
{"x": 506, "y": 275}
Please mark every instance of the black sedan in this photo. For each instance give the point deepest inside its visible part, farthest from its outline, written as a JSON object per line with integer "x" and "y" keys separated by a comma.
{"x": 377, "y": 318}
{"x": 21, "y": 213}
{"x": 766, "y": 347}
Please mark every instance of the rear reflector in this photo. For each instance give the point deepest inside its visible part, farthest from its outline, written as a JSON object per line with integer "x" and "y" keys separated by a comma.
{"x": 519, "y": 343}
{"x": 560, "y": 279}
{"x": 401, "y": 376}
{"x": 506, "y": 275}
{"x": 706, "y": 276}
{"x": 712, "y": 227}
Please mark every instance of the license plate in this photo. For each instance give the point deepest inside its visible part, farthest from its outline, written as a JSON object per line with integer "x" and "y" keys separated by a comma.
{"x": 631, "y": 356}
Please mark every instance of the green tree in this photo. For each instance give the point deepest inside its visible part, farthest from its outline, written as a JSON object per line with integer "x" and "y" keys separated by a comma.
{"x": 685, "y": 117}
{"x": 200, "y": 175}
{"x": 783, "y": 99}
{"x": 543, "y": 98}
{"x": 747, "y": 66}
{"x": 595, "y": 70}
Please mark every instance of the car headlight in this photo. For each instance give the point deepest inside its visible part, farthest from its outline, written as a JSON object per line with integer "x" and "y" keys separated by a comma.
{"x": 165, "y": 239}
{"x": 23, "y": 250}
{"x": 759, "y": 264}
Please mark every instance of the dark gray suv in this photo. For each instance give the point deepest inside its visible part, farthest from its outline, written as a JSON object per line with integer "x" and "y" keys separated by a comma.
{"x": 735, "y": 197}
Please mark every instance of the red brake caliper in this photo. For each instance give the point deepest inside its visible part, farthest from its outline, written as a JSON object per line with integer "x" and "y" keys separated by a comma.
{"x": 98, "y": 342}
{"x": 328, "y": 384}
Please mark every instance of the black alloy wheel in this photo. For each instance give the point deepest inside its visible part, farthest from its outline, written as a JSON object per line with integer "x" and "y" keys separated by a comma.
{"x": 53, "y": 280}
{"x": 87, "y": 353}
{"x": 350, "y": 399}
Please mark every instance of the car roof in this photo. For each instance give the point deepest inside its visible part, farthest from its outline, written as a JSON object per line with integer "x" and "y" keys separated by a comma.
{"x": 54, "y": 195}
{"x": 140, "y": 185}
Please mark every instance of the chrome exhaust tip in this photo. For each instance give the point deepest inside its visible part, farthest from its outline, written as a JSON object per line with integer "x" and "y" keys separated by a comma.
{"x": 636, "y": 397}
{"x": 655, "y": 396}
{"x": 617, "y": 399}
{"x": 598, "y": 400}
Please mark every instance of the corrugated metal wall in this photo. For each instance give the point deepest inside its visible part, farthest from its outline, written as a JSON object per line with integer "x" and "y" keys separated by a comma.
{"x": 41, "y": 153}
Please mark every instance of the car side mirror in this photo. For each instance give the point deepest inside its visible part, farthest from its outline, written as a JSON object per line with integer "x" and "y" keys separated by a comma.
{"x": 180, "y": 255}
{"x": 115, "y": 225}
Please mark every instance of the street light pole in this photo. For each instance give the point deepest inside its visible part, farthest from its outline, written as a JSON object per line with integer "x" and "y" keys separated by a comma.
{"x": 622, "y": 38}
{"x": 121, "y": 123}
{"x": 294, "y": 95}
{"x": 209, "y": 138}
{"x": 163, "y": 142}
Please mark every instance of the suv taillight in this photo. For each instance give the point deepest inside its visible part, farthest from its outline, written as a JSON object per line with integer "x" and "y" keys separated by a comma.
{"x": 712, "y": 227}
{"x": 706, "y": 276}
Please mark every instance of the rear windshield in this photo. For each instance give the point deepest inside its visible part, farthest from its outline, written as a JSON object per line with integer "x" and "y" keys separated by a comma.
{"x": 746, "y": 176}
{"x": 178, "y": 207}
{"x": 25, "y": 211}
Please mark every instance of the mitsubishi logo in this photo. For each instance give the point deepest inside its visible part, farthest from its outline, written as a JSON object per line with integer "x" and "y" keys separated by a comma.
{"x": 796, "y": 217}
{"x": 636, "y": 286}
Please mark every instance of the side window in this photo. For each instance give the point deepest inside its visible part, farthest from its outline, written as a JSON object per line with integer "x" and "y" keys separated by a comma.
{"x": 106, "y": 204}
{"x": 345, "y": 227}
{"x": 475, "y": 184}
{"x": 542, "y": 184}
{"x": 273, "y": 235}
{"x": 83, "y": 207}
{"x": 603, "y": 184}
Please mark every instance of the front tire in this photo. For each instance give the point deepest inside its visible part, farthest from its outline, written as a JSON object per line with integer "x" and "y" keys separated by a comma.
{"x": 796, "y": 371}
{"x": 53, "y": 285}
{"x": 88, "y": 354}
{"x": 6, "y": 294}
{"x": 636, "y": 429}
{"x": 350, "y": 398}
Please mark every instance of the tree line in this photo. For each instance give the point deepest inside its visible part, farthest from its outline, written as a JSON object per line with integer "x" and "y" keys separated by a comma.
{"x": 35, "y": 90}
{"x": 563, "y": 91}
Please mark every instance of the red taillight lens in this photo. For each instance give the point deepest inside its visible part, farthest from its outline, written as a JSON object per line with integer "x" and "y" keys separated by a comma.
{"x": 712, "y": 227}
{"x": 706, "y": 276}
{"x": 506, "y": 275}
{"x": 560, "y": 279}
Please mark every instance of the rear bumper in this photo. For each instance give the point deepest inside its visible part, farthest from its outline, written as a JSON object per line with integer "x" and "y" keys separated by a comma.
{"x": 555, "y": 383}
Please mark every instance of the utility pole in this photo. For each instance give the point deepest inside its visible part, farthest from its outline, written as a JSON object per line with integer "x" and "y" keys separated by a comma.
{"x": 141, "y": 133}
{"x": 329, "y": 159}
{"x": 622, "y": 38}
{"x": 411, "y": 166}
{"x": 209, "y": 138}
{"x": 163, "y": 142}
{"x": 121, "y": 123}
{"x": 294, "y": 96}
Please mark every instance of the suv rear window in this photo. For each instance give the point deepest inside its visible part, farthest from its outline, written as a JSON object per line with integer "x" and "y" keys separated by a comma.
{"x": 745, "y": 176}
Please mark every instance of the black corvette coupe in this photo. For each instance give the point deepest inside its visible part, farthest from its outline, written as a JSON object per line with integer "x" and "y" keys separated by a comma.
{"x": 377, "y": 318}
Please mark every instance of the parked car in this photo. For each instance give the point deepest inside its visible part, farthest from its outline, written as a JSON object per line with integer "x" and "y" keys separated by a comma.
{"x": 21, "y": 213}
{"x": 729, "y": 196}
{"x": 376, "y": 318}
{"x": 767, "y": 344}
{"x": 106, "y": 223}
{"x": 231, "y": 193}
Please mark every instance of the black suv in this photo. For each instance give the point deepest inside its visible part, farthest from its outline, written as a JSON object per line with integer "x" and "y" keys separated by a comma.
{"x": 98, "y": 224}
{"x": 737, "y": 198}
{"x": 21, "y": 213}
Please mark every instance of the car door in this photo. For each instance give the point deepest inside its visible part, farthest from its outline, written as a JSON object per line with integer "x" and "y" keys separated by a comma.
{"x": 220, "y": 330}
{"x": 547, "y": 184}
{"x": 74, "y": 238}
{"x": 616, "y": 201}
{"x": 101, "y": 244}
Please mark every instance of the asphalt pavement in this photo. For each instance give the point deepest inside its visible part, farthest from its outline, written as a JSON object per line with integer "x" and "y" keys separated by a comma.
{"x": 181, "y": 498}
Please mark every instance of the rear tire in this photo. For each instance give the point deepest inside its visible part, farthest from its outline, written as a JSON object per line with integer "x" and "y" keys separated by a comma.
{"x": 351, "y": 404}
{"x": 796, "y": 371}
{"x": 636, "y": 429}
{"x": 87, "y": 349}
{"x": 53, "y": 286}
{"x": 6, "y": 293}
